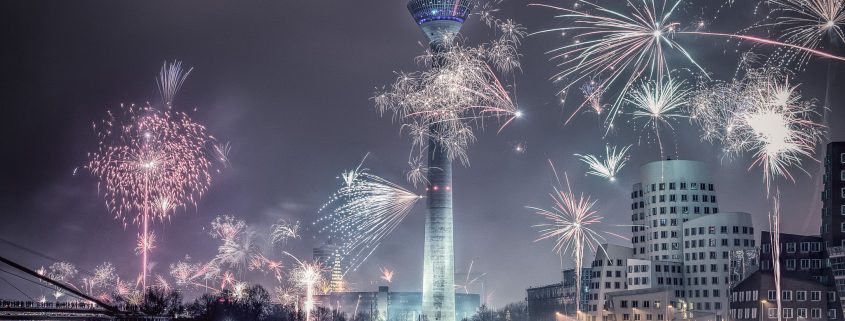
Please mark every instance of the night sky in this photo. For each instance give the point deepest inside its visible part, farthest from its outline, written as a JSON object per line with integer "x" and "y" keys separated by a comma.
{"x": 288, "y": 84}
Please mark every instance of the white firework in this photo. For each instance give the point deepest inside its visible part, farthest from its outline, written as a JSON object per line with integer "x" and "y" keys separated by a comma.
{"x": 606, "y": 167}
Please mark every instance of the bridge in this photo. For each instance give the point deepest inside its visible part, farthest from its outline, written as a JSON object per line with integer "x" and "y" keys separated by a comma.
{"x": 83, "y": 307}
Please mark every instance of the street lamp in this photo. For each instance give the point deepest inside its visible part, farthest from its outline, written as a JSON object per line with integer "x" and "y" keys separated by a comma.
{"x": 762, "y": 304}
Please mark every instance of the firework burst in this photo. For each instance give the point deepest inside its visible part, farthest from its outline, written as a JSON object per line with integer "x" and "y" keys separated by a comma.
{"x": 150, "y": 162}
{"x": 807, "y": 23}
{"x": 283, "y": 231}
{"x": 659, "y": 103}
{"x": 571, "y": 223}
{"x": 624, "y": 47}
{"x": 761, "y": 114}
{"x": 365, "y": 210}
{"x": 621, "y": 47}
{"x": 307, "y": 276}
{"x": 442, "y": 105}
{"x": 609, "y": 166}
{"x": 386, "y": 274}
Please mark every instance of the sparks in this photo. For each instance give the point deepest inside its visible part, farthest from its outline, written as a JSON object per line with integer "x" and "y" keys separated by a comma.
{"x": 609, "y": 166}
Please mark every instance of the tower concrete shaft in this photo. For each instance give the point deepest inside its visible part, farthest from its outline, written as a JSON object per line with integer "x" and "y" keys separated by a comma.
{"x": 438, "y": 301}
{"x": 440, "y": 21}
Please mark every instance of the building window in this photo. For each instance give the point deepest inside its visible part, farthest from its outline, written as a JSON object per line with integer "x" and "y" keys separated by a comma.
{"x": 831, "y": 314}
{"x": 790, "y": 247}
{"x": 787, "y": 313}
{"x": 831, "y": 296}
{"x": 772, "y": 313}
{"x": 800, "y": 295}
{"x": 770, "y": 296}
{"x": 816, "y": 295}
{"x": 801, "y": 313}
{"x": 786, "y": 295}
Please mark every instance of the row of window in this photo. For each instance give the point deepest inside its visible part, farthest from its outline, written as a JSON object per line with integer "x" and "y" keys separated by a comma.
{"x": 723, "y": 230}
{"x": 673, "y": 186}
{"x": 791, "y": 247}
{"x": 608, "y": 262}
{"x": 695, "y": 268}
{"x": 636, "y": 304}
{"x": 638, "y": 281}
{"x": 713, "y": 242}
{"x": 702, "y": 293}
{"x": 805, "y": 264}
{"x": 684, "y": 210}
{"x": 826, "y": 210}
{"x": 786, "y": 295}
{"x": 638, "y": 317}
{"x": 801, "y": 313}
{"x": 674, "y": 198}
{"x": 609, "y": 274}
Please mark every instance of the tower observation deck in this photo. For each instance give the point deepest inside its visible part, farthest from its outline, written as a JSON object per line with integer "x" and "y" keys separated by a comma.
{"x": 440, "y": 20}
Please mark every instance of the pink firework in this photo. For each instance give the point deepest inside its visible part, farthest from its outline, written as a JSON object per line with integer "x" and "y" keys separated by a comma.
{"x": 149, "y": 163}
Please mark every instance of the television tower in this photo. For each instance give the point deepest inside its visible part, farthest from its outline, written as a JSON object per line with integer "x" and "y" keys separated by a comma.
{"x": 440, "y": 21}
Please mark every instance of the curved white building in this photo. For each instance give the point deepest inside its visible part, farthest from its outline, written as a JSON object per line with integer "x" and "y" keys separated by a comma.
{"x": 670, "y": 193}
{"x": 709, "y": 243}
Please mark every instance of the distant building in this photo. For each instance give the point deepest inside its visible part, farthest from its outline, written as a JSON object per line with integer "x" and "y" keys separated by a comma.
{"x": 547, "y": 303}
{"x": 384, "y": 305}
{"x": 802, "y": 297}
{"x": 328, "y": 256}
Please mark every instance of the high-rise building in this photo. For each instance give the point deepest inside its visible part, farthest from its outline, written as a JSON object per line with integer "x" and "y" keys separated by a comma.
{"x": 833, "y": 195}
{"x": 832, "y": 229}
{"x": 440, "y": 21}
{"x": 670, "y": 193}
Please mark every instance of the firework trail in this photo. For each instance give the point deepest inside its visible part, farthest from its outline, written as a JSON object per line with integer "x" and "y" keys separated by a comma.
{"x": 170, "y": 80}
{"x": 469, "y": 280}
{"x": 386, "y": 274}
{"x": 610, "y": 165}
{"x": 761, "y": 114}
{"x": 149, "y": 162}
{"x": 362, "y": 212}
{"x": 659, "y": 103}
{"x": 571, "y": 221}
{"x": 774, "y": 226}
